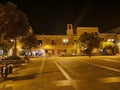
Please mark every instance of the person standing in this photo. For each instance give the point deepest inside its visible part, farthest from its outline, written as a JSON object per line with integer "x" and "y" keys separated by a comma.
{"x": 27, "y": 56}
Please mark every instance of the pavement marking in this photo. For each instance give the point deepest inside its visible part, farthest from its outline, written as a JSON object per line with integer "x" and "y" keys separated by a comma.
{"x": 65, "y": 82}
{"x": 8, "y": 87}
{"x": 70, "y": 70}
{"x": 105, "y": 67}
{"x": 42, "y": 65}
{"x": 111, "y": 60}
{"x": 70, "y": 80}
{"x": 109, "y": 80}
{"x": 62, "y": 83}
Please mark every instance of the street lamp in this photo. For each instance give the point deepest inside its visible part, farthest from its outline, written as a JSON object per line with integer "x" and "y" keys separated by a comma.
{"x": 110, "y": 40}
{"x": 65, "y": 41}
{"x": 12, "y": 40}
{"x": 14, "y": 47}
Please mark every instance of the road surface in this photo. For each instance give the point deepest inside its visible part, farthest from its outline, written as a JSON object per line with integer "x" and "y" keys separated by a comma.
{"x": 66, "y": 73}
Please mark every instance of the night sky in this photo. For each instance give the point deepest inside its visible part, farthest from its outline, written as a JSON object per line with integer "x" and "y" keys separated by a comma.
{"x": 52, "y": 16}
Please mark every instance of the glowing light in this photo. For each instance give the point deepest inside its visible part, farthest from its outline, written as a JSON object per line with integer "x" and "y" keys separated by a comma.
{"x": 118, "y": 43}
{"x": 110, "y": 40}
{"x": 65, "y": 40}
{"x": 12, "y": 40}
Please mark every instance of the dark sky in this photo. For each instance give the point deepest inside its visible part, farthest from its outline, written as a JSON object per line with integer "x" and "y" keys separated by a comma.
{"x": 52, "y": 16}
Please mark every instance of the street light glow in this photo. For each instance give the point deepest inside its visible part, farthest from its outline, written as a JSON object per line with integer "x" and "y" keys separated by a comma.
{"x": 12, "y": 40}
{"x": 110, "y": 40}
{"x": 65, "y": 40}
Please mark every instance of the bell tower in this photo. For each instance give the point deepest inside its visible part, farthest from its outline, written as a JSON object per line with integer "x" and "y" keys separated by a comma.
{"x": 69, "y": 29}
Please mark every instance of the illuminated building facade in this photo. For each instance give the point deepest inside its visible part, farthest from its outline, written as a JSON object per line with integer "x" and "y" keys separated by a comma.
{"x": 63, "y": 44}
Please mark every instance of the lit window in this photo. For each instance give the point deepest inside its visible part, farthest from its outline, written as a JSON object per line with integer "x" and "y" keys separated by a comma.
{"x": 53, "y": 42}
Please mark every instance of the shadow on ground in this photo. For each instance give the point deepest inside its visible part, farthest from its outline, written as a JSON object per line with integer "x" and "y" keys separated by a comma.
{"x": 24, "y": 77}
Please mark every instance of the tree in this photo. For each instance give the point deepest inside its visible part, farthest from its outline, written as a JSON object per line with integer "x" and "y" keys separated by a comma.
{"x": 80, "y": 46}
{"x": 91, "y": 41}
{"x": 108, "y": 48}
{"x": 3, "y": 25}
{"x": 13, "y": 22}
{"x": 29, "y": 41}
{"x": 5, "y": 46}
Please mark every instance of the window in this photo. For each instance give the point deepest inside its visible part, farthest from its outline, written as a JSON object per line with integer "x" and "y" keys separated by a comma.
{"x": 39, "y": 42}
{"x": 69, "y": 26}
{"x": 74, "y": 42}
{"x": 96, "y": 33}
{"x": 92, "y": 33}
{"x": 53, "y": 42}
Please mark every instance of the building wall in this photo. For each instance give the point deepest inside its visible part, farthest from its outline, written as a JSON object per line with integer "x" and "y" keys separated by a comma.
{"x": 64, "y": 43}
{"x": 81, "y": 30}
{"x": 58, "y": 46}
{"x": 108, "y": 36}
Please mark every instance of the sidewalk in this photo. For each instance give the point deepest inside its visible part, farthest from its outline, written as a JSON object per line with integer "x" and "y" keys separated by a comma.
{"x": 15, "y": 68}
{"x": 4, "y": 83}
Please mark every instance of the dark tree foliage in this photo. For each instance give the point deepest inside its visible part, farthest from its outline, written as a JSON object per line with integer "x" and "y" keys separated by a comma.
{"x": 91, "y": 41}
{"x": 5, "y": 46}
{"x": 29, "y": 41}
{"x": 13, "y": 22}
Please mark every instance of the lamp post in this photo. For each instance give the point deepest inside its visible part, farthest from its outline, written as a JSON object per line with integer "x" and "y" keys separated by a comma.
{"x": 65, "y": 41}
{"x": 14, "y": 48}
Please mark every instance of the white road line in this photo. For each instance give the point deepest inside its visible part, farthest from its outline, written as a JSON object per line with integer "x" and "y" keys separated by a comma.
{"x": 105, "y": 67}
{"x": 111, "y": 60}
{"x": 62, "y": 83}
{"x": 42, "y": 65}
{"x": 109, "y": 80}
{"x": 71, "y": 81}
